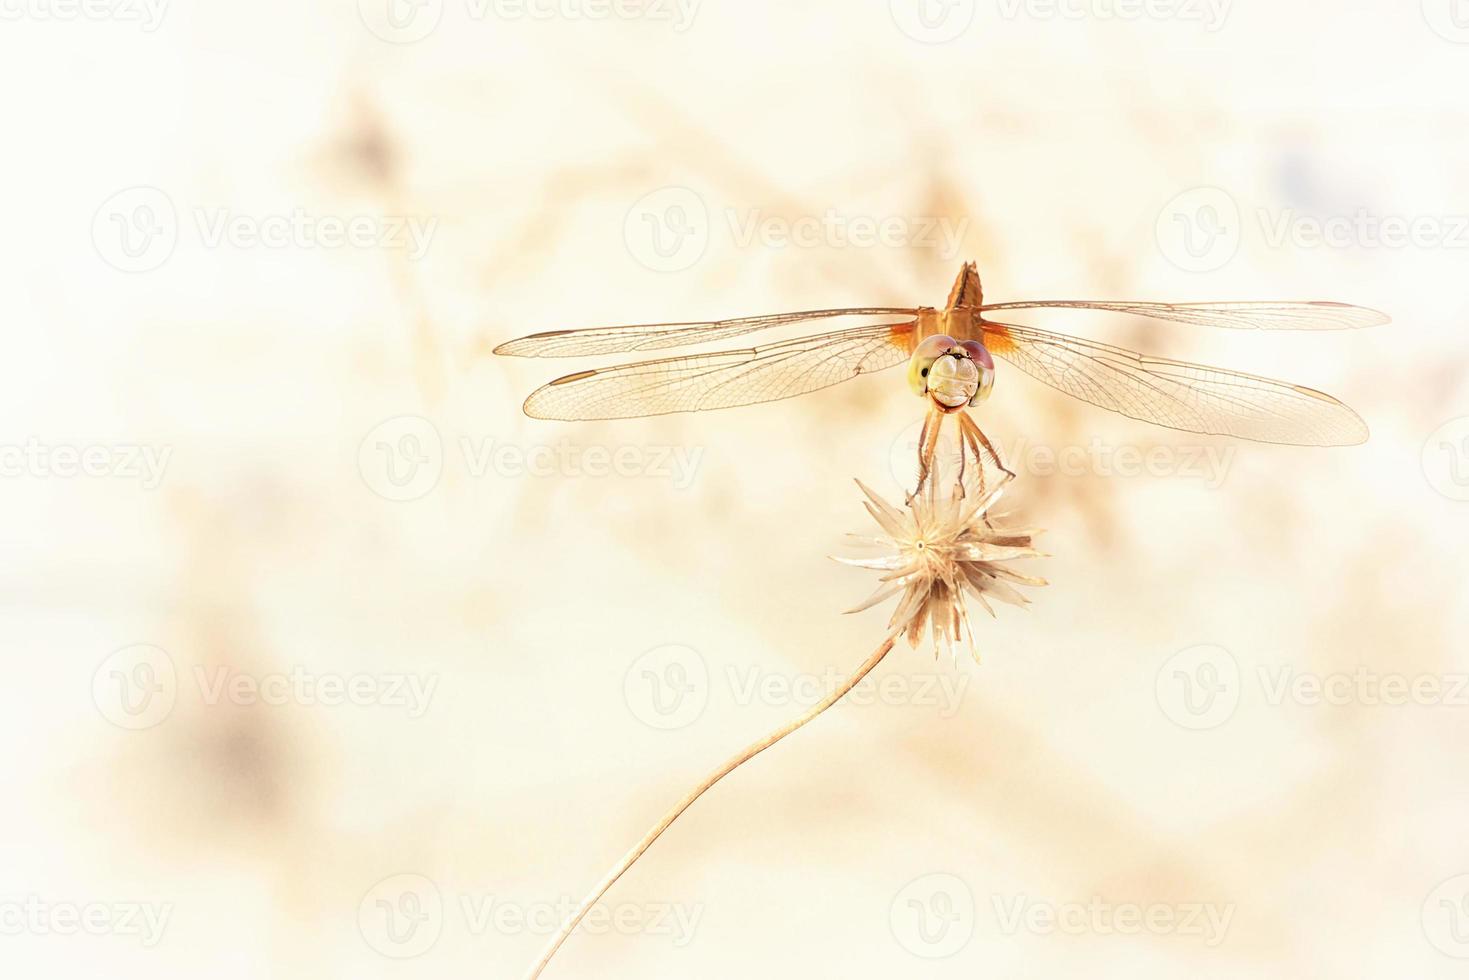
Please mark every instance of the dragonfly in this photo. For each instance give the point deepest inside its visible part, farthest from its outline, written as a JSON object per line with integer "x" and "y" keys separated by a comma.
{"x": 950, "y": 356}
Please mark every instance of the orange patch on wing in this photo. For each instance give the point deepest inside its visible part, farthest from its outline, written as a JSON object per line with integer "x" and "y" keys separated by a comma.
{"x": 901, "y": 336}
{"x": 997, "y": 338}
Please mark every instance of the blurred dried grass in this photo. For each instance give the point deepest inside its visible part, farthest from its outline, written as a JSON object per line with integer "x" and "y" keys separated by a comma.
{"x": 1059, "y": 777}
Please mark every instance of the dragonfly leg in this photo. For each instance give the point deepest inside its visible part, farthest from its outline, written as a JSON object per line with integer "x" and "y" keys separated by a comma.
{"x": 928, "y": 444}
{"x": 976, "y": 441}
{"x": 967, "y": 445}
{"x": 963, "y": 457}
{"x": 983, "y": 448}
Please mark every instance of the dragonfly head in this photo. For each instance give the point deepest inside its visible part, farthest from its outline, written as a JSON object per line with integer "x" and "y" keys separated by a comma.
{"x": 953, "y": 374}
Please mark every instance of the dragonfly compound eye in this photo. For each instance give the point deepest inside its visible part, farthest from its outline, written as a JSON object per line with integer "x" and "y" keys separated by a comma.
{"x": 980, "y": 355}
{"x": 921, "y": 363}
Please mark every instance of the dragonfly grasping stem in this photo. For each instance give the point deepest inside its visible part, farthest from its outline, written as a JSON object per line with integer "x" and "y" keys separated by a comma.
{"x": 728, "y": 767}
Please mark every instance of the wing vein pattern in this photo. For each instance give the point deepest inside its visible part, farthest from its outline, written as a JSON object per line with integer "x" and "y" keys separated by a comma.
{"x": 723, "y": 379}
{"x": 661, "y": 336}
{"x": 1238, "y": 316}
{"x": 1178, "y": 394}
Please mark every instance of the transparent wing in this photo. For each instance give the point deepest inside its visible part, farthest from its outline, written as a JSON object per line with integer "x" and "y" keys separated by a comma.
{"x": 661, "y": 336}
{"x": 1177, "y": 394}
{"x": 724, "y": 379}
{"x": 1238, "y": 316}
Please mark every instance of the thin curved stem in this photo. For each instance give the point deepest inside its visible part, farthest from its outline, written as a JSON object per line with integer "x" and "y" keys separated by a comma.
{"x": 734, "y": 762}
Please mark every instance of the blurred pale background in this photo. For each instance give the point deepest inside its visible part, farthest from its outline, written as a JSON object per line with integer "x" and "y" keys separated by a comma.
{"x": 323, "y": 661}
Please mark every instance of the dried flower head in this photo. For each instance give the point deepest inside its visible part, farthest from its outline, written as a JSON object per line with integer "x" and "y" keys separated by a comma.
{"x": 941, "y": 547}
